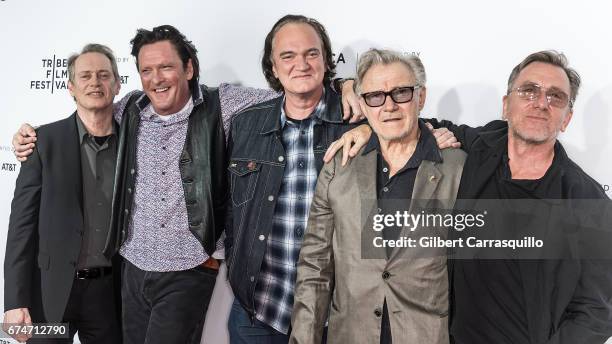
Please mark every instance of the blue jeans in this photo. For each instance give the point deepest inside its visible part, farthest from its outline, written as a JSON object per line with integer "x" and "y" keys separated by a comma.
{"x": 242, "y": 331}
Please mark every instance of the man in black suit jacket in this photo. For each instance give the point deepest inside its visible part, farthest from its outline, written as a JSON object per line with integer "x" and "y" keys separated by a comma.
{"x": 55, "y": 269}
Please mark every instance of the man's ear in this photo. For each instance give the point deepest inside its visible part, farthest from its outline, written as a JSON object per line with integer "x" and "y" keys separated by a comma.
{"x": 71, "y": 88}
{"x": 189, "y": 70}
{"x": 504, "y": 107}
{"x": 566, "y": 120}
{"x": 422, "y": 97}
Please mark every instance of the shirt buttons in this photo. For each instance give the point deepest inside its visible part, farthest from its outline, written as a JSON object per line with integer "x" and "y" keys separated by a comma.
{"x": 252, "y": 278}
{"x": 385, "y": 189}
{"x": 163, "y": 173}
{"x": 262, "y": 237}
{"x": 281, "y": 158}
{"x": 132, "y": 171}
{"x": 299, "y": 232}
{"x": 270, "y": 198}
{"x": 301, "y": 164}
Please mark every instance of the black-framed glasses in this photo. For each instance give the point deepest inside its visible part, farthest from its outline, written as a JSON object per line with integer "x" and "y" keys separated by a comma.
{"x": 399, "y": 95}
{"x": 554, "y": 96}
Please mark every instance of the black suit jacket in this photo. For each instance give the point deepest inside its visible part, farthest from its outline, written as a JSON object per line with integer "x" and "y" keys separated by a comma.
{"x": 46, "y": 224}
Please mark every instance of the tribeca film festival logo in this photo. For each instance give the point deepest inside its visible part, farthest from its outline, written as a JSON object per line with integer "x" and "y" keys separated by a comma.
{"x": 55, "y": 74}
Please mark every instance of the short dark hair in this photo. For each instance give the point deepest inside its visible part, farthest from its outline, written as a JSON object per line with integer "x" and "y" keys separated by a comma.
{"x": 554, "y": 58}
{"x": 184, "y": 47}
{"x": 94, "y": 48}
{"x": 266, "y": 60}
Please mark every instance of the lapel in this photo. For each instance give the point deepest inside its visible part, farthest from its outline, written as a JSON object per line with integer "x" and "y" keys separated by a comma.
{"x": 71, "y": 160}
{"x": 365, "y": 167}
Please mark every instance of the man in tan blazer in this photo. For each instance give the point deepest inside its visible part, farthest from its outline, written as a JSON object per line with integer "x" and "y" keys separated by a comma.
{"x": 385, "y": 295}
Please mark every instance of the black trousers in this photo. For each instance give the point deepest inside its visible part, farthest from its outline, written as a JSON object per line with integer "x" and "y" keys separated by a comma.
{"x": 165, "y": 307}
{"x": 91, "y": 311}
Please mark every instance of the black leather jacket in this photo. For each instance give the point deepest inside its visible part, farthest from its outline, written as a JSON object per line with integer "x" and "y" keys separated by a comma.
{"x": 256, "y": 173}
{"x": 202, "y": 164}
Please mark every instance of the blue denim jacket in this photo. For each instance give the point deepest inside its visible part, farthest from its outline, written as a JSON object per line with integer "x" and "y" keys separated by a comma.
{"x": 256, "y": 170}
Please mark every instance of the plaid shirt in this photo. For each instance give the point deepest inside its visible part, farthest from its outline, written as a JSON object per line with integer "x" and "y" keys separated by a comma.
{"x": 275, "y": 285}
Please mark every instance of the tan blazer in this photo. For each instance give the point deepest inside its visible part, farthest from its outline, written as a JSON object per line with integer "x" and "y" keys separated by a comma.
{"x": 333, "y": 279}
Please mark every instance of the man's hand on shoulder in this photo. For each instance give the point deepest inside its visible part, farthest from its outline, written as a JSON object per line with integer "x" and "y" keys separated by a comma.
{"x": 23, "y": 142}
{"x": 444, "y": 137}
{"x": 351, "y": 107}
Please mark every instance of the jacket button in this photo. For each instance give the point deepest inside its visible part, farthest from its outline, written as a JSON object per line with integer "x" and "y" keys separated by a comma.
{"x": 386, "y": 275}
{"x": 378, "y": 312}
{"x": 281, "y": 158}
{"x": 252, "y": 278}
{"x": 262, "y": 237}
{"x": 432, "y": 178}
{"x": 270, "y": 198}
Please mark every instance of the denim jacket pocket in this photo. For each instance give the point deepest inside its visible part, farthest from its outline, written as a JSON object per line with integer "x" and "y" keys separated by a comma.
{"x": 243, "y": 180}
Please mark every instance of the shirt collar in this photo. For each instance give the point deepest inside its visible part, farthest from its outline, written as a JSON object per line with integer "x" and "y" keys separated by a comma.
{"x": 315, "y": 115}
{"x": 426, "y": 149}
{"x": 82, "y": 131}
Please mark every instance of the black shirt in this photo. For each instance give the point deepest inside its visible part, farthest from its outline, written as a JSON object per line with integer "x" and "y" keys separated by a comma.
{"x": 395, "y": 193}
{"x": 98, "y": 160}
{"x": 495, "y": 311}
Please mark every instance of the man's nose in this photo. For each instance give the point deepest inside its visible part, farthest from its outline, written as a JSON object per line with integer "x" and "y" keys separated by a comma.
{"x": 389, "y": 105}
{"x": 542, "y": 101}
{"x": 302, "y": 63}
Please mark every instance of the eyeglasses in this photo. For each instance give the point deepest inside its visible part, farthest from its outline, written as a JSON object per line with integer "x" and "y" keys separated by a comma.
{"x": 554, "y": 96}
{"x": 399, "y": 95}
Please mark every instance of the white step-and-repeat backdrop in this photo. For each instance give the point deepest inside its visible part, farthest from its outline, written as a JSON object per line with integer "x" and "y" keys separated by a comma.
{"x": 468, "y": 48}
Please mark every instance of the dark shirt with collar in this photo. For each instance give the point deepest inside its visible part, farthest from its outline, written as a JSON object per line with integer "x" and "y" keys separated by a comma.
{"x": 98, "y": 160}
{"x": 395, "y": 193}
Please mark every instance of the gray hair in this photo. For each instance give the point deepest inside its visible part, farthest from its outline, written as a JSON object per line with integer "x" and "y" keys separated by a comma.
{"x": 554, "y": 58}
{"x": 374, "y": 57}
{"x": 94, "y": 48}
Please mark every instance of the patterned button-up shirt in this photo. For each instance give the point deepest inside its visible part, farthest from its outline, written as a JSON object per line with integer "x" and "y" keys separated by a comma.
{"x": 159, "y": 238}
{"x": 275, "y": 287}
